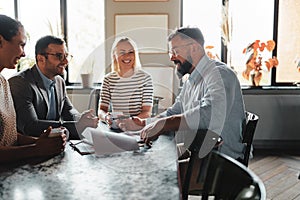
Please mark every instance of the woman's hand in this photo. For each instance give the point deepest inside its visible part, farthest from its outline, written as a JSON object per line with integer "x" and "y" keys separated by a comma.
{"x": 108, "y": 118}
{"x": 49, "y": 146}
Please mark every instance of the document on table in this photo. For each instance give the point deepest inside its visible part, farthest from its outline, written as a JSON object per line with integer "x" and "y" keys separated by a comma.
{"x": 107, "y": 142}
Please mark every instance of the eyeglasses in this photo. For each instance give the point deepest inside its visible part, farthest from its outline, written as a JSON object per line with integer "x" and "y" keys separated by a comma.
{"x": 174, "y": 50}
{"x": 60, "y": 56}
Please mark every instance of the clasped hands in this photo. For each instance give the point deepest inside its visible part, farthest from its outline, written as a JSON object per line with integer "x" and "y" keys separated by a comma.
{"x": 48, "y": 144}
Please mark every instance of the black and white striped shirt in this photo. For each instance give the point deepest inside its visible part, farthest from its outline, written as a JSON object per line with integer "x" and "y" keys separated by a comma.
{"x": 127, "y": 95}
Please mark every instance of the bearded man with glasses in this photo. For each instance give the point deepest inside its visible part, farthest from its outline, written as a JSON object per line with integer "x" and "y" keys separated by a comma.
{"x": 40, "y": 96}
{"x": 211, "y": 98}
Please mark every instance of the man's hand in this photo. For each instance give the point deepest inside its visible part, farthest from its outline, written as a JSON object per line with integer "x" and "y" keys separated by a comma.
{"x": 152, "y": 131}
{"x": 88, "y": 119}
{"x": 131, "y": 124}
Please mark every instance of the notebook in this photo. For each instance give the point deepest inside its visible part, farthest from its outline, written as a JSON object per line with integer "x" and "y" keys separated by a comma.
{"x": 83, "y": 147}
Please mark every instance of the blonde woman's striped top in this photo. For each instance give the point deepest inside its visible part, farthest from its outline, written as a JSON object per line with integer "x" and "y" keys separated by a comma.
{"x": 127, "y": 95}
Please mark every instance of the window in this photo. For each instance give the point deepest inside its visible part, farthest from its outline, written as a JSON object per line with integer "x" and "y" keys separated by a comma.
{"x": 86, "y": 39}
{"x": 84, "y": 21}
{"x": 45, "y": 20}
{"x": 288, "y": 51}
{"x": 207, "y": 16}
{"x": 7, "y": 8}
{"x": 252, "y": 20}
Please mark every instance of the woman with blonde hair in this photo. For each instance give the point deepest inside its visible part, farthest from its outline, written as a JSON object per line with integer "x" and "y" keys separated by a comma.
{"x": 127, "y": 89}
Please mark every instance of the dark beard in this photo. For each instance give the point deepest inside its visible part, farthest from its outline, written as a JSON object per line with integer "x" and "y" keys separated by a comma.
{"x": 184, "y": 69}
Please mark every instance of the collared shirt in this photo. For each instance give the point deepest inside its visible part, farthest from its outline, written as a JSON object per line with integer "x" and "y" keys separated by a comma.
{"x": 212, "y": 99}
{"x": 48, "y": 83}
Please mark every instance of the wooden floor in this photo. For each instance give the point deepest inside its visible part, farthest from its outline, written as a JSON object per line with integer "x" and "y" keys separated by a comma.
{"x": 279, "y": 170}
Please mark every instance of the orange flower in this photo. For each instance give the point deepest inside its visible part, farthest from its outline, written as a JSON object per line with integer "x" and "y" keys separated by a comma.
{"x": 255, "y": 60}
{"x": 211, "y": 53}
{"x": 262, "y": 46}
{"x": 272, "y": 62}
{"x": 255, "y": 45}
{"x": 209, "y": 47}
{"x": 270, "y": 45}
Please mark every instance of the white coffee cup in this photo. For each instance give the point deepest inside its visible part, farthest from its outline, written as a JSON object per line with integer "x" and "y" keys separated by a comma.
{"x": 87, "y": 80}
{"x": 59, "y": 131}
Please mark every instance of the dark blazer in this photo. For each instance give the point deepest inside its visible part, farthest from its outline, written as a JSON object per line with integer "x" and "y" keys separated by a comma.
{"x": 31, "y": 104}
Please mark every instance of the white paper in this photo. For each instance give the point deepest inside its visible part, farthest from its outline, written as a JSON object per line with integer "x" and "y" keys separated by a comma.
{"x": 87, "y": 136}
{"x": 107, "y": 142}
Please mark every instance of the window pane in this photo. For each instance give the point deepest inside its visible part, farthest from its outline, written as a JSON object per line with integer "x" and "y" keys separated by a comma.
{"x": 86, "y": 39}
{"x": 251, "y": 20}
{"x": 288, "y": 41}
{"x": 207, "y": 16}
{"x": 40, "y": 18}
{"x": 7, "y": 8}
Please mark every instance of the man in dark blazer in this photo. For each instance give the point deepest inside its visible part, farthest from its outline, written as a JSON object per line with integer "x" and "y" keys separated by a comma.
{"x": 31, "y": 93}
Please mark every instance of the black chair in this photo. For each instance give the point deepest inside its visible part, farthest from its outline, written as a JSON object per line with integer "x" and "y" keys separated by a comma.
{"x": 248, "y": 134}
{"x": 204, "y": 141}
{"x": 226, "y": 178}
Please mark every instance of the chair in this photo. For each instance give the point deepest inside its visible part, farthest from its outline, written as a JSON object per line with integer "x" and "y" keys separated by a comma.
{"x": 204, "y": 141}
{"x": 94, "y": 100}
{"x": 248, "y": 134}
{"x": 226, "y": 178}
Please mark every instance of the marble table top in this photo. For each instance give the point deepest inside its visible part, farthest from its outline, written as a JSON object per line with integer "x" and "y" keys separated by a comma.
{"x": 143, "y": 174}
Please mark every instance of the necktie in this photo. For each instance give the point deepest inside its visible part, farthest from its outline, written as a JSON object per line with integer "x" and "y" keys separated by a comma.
{"x": 52, "y": 102}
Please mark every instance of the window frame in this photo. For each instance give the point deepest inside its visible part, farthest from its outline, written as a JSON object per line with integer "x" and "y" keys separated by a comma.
{"x": 64, "y": 29}
{"x": 223, "y": 53}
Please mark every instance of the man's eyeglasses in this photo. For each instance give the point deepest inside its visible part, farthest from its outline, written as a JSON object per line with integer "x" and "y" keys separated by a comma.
{"x": 174, "y": 50}
{"x": 60, "y": 56}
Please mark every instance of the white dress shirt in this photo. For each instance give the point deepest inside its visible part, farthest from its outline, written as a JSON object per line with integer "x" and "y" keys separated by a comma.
{"x": 211, "y": 98}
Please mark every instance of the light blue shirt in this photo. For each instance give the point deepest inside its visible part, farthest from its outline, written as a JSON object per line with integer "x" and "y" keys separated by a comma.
{"x": 212, "y": 99}
{"x": 47, "y": 83}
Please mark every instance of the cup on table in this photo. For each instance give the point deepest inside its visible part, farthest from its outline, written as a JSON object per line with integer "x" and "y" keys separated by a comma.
{"x": 87, "y": 80}
{"x": 59, "y": 131}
